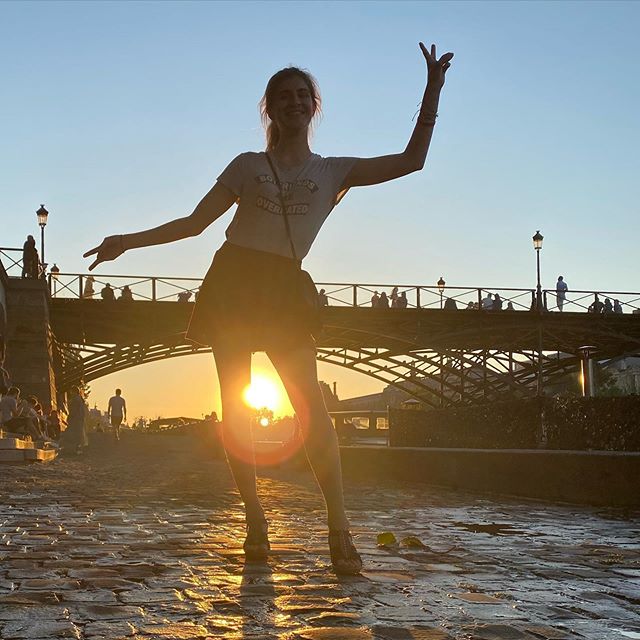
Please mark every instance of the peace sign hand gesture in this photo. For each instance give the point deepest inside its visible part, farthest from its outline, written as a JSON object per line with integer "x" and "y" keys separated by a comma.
{"x": 436, "y": 67}
{"x": 110, "y": 248}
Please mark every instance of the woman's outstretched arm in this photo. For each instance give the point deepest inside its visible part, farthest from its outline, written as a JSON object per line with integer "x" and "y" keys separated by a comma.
{"x": 210, "y": 208}
{"x": 383, "y": 168}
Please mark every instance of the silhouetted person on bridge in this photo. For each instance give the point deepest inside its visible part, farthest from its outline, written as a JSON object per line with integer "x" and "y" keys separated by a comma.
{"x": 393, "y": 298}
{"x": 487, "y": 302}
{"x": 561, "y": 292}
{"x": 30, "y": 260}
{"x": 496, "y": 305}
{"x": 107, "y": 293}
{"x": 450, "y": 304}
{"x": 184, "y": 296}
{"x": 323, "y": 301}
{"x": 596, "y": 306}
{"x": 509, "y": 306}
{"x": 375, "y": 300}
{"x": 607, "y": 307}
{"x": 88, "y": 292}
{"x": 255, "y": 296}
{"x": 383, "y": 303}
{"x": 617, "y": 307}
{"x": 126, "y": 295}
{"x": 402, "y": 301}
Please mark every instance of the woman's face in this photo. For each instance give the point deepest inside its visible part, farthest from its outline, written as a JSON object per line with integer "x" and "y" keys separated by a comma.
{"x": 292, "y": 106}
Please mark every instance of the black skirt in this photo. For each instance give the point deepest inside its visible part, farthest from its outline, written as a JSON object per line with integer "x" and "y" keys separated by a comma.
{"x": 251, "y": 300}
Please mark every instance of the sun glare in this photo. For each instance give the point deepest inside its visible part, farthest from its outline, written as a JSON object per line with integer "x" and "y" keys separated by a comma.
{"x": 263, "y": 393}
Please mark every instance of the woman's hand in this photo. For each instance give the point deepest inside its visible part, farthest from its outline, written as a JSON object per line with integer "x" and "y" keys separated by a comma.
{"x": 110, "y": 249}
{"x": 436, "y": 68}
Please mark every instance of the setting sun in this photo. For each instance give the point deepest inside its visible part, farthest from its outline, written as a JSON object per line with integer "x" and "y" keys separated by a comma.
{"x": 262, "y": 393}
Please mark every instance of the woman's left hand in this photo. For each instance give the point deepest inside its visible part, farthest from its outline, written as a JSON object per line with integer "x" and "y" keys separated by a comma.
{"x": 437, "y": 68}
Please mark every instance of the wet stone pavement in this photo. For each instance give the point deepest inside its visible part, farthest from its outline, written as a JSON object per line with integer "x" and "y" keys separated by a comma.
{"x": 144, "y": 541}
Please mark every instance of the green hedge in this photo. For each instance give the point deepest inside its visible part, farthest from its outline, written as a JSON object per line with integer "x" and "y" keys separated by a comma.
{"x": 611, "y": 424}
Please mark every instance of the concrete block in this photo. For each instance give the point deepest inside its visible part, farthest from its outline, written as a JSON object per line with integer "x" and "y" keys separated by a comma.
{"x": 15, "y": 443}
{"x": 40, "y": 455}
{"x": 12, "y": 455}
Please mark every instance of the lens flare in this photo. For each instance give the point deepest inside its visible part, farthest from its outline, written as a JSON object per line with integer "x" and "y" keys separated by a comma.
{"x": 262, "y": 393}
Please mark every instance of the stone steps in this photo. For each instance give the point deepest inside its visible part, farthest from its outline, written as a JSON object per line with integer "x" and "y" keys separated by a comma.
{"x": 14, "y": 449}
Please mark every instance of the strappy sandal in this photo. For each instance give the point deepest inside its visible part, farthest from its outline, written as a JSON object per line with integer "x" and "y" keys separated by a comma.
{"x": 344, "y": 557}
{"x": 256, "y": 545}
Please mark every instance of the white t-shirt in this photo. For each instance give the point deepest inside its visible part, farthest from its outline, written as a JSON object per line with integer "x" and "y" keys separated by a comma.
{"x": 311, "y": 191}
{"x": 117, "y": 405}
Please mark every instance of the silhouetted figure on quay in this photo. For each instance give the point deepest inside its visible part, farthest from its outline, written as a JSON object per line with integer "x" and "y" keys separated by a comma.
{"x": 261, "y": 261}
{"x": 323, "y": 301}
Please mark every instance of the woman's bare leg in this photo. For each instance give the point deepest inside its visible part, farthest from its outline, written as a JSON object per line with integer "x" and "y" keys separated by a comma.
{"x": 299, "y": 374}
{"x": 234, "y": 374}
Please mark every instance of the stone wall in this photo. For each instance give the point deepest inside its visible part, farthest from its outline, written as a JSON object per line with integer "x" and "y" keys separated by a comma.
{"x": 606, "y": 424}
{"x": 29, "y": 342}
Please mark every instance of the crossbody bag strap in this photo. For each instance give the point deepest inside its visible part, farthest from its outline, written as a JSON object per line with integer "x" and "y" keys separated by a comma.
{"x": 285, "y": 217}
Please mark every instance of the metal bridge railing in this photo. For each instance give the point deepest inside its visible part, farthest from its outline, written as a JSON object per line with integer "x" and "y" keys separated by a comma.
{"x": 11, "y": 258}
{"x": 156, "y": 288}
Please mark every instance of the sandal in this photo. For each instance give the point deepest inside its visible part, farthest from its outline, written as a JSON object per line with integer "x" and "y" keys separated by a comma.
{"x": 256, "y": 545}
{"x": 344, "y": 557}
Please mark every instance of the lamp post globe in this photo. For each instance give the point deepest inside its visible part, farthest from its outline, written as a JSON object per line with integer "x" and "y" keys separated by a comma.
{"x": 42, "y": 214}
{"x": 55, "y": 274}
{"x": 537, "y": 245}
{"x": 441, "y": 283}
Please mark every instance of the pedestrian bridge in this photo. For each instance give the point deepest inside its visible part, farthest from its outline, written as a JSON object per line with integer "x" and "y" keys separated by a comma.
{"x": 438, "y": 348}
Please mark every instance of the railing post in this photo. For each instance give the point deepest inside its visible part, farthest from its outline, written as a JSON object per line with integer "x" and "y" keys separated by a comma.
{"x": 417, "y": 297}
{"x": 546, "y": 308}
{"x": 355, "y": 295}
{"x": 79, "y": 286}
{"x": 479, "y": 299}
{"x": 153, "y": 289}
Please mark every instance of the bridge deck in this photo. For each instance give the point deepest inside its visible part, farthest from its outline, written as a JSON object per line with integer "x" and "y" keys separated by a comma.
{"x": 79, "y": 321}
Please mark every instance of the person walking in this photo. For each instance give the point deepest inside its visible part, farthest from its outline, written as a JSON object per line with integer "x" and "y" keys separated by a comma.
{"x": 117, "y": 412}
{"x": 561, "y": 292}
{"x": 253, "y": 298}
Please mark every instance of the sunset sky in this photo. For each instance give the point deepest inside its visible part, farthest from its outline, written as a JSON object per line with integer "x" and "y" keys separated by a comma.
{"x": 120, "y": 115}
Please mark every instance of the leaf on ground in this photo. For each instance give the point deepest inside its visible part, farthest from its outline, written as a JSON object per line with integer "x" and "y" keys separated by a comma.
{"x": 413, "y": 542}
{"x": 387, "y": 539}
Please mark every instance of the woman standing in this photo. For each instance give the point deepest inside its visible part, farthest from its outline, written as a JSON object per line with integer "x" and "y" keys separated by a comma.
{"x": 252, "y": 298}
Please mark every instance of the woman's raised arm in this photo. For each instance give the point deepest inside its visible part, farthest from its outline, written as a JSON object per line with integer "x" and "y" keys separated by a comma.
{"x": 210, "y": 208}
{"x": 383, "y": 168}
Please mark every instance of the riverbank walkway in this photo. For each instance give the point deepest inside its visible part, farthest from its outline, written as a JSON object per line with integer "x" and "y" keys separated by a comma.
{"x": 117, "y": 544}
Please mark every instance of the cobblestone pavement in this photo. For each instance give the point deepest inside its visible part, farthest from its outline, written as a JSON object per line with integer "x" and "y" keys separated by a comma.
{"x": 145, "y": 542}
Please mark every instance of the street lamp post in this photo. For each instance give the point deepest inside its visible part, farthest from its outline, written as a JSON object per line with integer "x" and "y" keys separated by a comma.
{"x": 441, "y": 284}
{"x": 537, "y": 245}
{"x": 42, "y": 214}
{"x": 55, "y": 273}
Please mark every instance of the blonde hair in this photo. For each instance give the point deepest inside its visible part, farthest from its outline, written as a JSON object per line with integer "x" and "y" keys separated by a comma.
{"x": 271, "y": 128}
